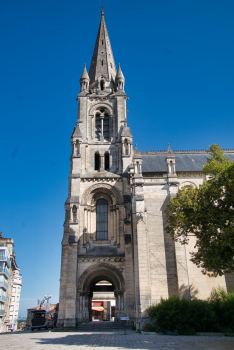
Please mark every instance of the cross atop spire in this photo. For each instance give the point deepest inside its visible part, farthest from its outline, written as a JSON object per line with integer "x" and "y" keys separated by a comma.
{"x": 102, "y": 64}
{"x": 102, "y": 12}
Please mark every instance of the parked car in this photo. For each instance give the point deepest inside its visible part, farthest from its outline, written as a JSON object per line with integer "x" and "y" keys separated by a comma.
{"x": 41, "y": 320}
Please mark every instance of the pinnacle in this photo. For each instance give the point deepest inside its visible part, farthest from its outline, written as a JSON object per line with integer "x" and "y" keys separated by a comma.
{"x": 169, "y": 150}
{"x": 119, "y": 73}
{"x": 84, "y": 75}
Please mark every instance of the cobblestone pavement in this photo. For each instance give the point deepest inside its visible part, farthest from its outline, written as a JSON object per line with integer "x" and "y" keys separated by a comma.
{"x": 111, "y": 340}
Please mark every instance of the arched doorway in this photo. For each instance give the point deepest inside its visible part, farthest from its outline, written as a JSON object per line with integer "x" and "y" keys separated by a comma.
{"x": 88, "y": 283}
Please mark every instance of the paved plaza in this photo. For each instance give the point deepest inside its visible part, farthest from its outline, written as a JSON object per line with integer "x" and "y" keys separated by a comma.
{"x": 111, "y": 340}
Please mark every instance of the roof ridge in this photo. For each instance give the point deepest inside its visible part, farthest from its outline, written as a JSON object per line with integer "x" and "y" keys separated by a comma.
{"x": 190, "y": 151}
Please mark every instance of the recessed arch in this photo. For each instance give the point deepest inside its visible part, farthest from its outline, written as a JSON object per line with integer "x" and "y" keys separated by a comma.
{"x": 97, "y": 106}
{"x": 111, "y": 191}
{"x": 98, "y": 272}
{"x": 187, "y": 184}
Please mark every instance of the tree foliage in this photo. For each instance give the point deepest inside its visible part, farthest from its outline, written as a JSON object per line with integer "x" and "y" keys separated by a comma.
{"x": 208, "y": 213}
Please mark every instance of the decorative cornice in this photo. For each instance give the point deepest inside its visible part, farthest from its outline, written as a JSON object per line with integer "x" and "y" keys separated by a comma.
{"x": 101, "y": 259}
{"x": 101, "y": 179}
{"x": 101, "y": 98}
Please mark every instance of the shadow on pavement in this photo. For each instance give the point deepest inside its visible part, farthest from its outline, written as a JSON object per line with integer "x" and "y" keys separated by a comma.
{"x": 98, "y": 339}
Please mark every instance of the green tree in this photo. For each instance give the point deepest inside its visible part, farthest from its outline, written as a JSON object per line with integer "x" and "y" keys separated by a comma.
{"x": 207, "y": 213}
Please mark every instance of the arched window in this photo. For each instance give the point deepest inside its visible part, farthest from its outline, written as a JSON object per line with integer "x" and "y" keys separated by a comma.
{"x": 74, "y": 213}
{"x": 97, "y": 161}
{"x": 102, "y": 125}
{"x": 98, "y": 127}
{"x": 102, "y": 220}
{"x": 138, "y": 167}
{"x": 126, "y": 146}
{"x": 102, "y": 84}
{"x": 107, "y": 161}
{"x": 106, "y": 127}
{"x": 77, "y": 149}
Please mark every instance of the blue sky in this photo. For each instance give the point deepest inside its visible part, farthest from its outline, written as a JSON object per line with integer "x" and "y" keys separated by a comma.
{"x": 177, "y": 59}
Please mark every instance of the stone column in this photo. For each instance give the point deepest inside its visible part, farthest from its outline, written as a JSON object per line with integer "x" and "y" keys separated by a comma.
{"x": 85, "y": 225}
{"x": 102, "y": 162}
{"x": 114, "y": 225}
{"x": 120, "y": 159}
{"x": 117, "y": 226}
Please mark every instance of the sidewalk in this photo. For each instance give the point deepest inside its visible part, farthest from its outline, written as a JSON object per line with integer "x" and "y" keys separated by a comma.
{"x": 46, "y": 340}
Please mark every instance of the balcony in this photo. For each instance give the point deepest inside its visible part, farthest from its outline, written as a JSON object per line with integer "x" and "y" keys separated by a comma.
{"x": 1, "y": 313}
{"x": 4, "y": 284}
{"x": 2, "y": 298}
{"x": 5, "y": 271}
{"x": 5, "y": 257}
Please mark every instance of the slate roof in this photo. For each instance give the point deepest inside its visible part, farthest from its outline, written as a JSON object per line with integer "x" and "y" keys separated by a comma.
{"x": 183, "y": 162}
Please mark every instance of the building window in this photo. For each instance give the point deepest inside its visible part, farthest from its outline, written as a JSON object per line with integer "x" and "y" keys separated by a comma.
{"x": 98, "y": 127}
{"x": 102, "y": 84}
{"x": 11, "y": 308}
{"x": 107, "y": 161}
{"x": 102, "y": 220}
{"x": 13, "y": 299}
{"x": 106, "y": 127}
{"x": 97, "y": 161}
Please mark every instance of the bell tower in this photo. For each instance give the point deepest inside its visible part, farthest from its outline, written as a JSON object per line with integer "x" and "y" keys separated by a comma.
{"x": 98, "y": 210}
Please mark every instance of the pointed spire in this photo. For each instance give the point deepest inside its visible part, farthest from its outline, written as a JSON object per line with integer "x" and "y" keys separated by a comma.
{"x": 170, "y": 153}
{"x": 169, "y": 150}
{"x": 84, "y": 75}
{"x": 76, "y": 132}
{"x": 136, "y": 153}
{"x": 102, "y": 63}
{"x": 119, "y": 74}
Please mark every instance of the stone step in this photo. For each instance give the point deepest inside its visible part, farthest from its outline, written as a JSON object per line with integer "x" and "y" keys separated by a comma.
{"x": 102, "y": 326}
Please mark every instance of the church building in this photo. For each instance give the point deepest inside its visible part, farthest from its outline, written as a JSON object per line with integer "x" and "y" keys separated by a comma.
{"x": 114, "y": 229}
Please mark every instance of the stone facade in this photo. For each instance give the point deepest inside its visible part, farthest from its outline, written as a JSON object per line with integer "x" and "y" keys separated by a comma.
{"x": 135, "y": 255}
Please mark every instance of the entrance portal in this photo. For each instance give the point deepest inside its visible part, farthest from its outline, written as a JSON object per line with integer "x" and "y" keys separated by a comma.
{"x": 103, "y": 302}
{"x": 100, "y": 287}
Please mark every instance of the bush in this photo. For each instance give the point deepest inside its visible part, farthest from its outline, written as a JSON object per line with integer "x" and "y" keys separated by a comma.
{"x": 185, "y": 317}
{"x": 223, "y": 305}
